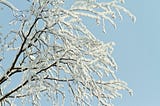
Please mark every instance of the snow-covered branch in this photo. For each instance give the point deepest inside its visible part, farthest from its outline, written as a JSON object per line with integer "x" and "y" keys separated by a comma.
{"x": 56, "y": 55}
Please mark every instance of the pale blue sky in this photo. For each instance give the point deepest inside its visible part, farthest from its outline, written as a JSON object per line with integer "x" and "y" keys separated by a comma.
{"x": 137, "y": 51}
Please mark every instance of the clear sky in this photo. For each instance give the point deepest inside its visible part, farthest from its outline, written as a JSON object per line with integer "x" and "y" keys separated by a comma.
{"x": 137, "y": 51}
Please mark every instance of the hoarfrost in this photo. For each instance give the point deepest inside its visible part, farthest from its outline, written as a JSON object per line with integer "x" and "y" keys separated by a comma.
{"x": 56, "y": 54}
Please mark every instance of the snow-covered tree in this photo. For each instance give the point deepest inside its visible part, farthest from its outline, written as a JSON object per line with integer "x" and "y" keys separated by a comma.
{"x": 54, "y": 57}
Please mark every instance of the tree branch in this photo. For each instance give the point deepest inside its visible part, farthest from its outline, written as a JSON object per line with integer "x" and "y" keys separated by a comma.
{"x": 8, "y": 73}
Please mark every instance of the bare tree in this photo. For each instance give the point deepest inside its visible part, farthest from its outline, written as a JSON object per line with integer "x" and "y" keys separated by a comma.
{"x": 55, "y": 56}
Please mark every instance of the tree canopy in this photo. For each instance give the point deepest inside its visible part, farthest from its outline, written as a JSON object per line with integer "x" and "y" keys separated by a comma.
{"x": 55, "y": 56}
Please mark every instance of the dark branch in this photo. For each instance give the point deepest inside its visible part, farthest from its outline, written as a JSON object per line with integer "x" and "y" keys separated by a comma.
{"x": 8, "y": 73}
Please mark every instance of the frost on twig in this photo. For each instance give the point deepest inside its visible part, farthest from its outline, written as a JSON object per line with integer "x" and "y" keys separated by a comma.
{"x": 10, "y": 5}
{"x": 55, "y": 54}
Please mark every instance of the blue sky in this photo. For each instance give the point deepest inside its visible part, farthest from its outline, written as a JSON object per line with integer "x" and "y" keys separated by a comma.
{"x": 137, "y": 51}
